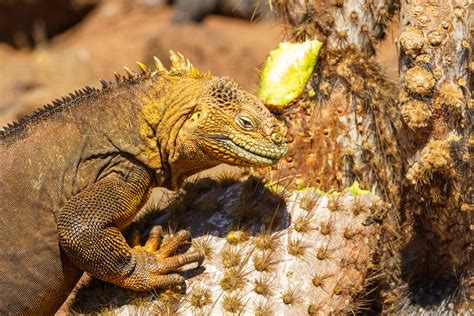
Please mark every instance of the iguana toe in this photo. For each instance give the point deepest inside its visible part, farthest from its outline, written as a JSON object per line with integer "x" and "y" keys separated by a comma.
{"x": 171, "y": 245}
{"x": 134, "y": 238}
{"x": 165, "y": 281}
{"x": 154, "y": 240}
{"x": 174, "y": 263}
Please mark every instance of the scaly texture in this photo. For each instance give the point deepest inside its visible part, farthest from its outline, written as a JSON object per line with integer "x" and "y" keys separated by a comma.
{"x": 75, "y": 173}
{"x": 436, "y": 104}
{"x": 268, "y": 252}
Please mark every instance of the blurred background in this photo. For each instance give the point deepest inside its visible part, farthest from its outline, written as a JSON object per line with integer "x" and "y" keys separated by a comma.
{"x": 49, "y": 48}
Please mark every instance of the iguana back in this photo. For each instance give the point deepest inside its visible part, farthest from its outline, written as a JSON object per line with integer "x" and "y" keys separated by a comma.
{"x": 44, "y": 163}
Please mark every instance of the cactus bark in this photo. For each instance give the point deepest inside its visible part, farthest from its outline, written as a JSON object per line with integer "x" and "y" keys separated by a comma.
{"x": 436, "y": 105}
{"x": 347, "y": 125}
{"x": 347, "y": 130}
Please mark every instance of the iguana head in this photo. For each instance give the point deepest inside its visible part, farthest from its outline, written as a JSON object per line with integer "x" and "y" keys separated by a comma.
{"x": 210, "y": 120}
{"x": 232, "y": 126}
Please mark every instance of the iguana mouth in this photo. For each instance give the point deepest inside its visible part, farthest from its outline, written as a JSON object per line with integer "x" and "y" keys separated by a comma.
{"x": 256, "y": 154}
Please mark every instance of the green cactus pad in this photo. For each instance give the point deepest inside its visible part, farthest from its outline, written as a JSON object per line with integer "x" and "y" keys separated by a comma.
{"x": 286, "y": 71}
{"x": 356, "y": 190}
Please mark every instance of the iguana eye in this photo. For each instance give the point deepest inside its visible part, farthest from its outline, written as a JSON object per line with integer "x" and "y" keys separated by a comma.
{"x": 195, "y": 116}
{"x": 245, "y": 122}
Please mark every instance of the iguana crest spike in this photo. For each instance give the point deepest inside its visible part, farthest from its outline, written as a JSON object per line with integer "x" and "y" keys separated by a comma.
{"x": 158, "y": 64}
{"x": 130, "y": 73}
{"x": 117, "y": 76}
{"x": 180, "y": 65}
{"x": 175, "y": 60}
{"x": 104, "y": 83}
{"x": 142, "y": 67}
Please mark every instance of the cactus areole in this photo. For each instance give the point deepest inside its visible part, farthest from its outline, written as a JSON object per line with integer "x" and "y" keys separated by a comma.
{"x": 286, "y": 72}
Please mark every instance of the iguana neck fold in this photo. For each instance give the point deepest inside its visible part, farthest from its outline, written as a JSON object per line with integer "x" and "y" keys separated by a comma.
{"x": 164, "y": 107}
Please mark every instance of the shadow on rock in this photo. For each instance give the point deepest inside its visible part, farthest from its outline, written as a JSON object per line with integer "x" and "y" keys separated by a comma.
{"x": 216, "y": 207}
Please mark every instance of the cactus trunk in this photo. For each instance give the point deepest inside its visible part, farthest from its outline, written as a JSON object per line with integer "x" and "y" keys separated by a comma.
{"x": 347, "y": 126}
{"x": 436, "y": 106}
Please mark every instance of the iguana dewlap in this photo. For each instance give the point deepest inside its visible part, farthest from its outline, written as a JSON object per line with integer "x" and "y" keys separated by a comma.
{"x": 75, "y": 173}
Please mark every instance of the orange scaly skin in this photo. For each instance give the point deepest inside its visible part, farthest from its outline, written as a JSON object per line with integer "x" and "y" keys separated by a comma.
{"x": 75, "y": 174}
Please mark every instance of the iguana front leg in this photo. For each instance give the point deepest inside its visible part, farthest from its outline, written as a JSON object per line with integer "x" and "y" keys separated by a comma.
{"x": 89, "y": 233}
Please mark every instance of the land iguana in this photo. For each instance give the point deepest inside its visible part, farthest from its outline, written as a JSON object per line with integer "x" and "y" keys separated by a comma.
{"x": 75, "y": 173}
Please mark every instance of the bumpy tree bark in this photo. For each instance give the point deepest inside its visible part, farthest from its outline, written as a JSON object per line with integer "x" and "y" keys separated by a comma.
{"x": 436, "y": 105}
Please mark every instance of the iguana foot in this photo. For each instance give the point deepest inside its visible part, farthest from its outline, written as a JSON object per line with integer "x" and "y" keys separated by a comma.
{"x": 155, "y": 263}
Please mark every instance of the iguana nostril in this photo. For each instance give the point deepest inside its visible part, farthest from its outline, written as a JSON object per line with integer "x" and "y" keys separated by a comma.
{"x": 277, "y": 138}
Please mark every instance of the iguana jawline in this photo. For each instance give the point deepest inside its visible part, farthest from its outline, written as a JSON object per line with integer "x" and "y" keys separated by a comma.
{"x": 230, "y": 148}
